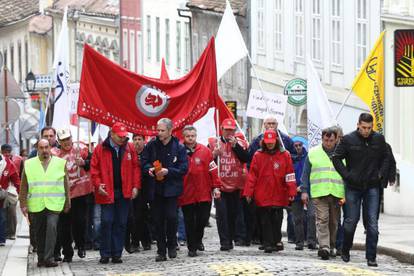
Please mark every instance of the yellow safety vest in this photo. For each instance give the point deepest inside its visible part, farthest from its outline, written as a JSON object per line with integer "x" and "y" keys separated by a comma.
{"x": 324, "y": 179}
{"x": 46, "y": 189}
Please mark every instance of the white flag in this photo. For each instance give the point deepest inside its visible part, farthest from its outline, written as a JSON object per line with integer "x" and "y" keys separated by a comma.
{"x": 230, "y": 46}
{"x": 320, "y": 114}
{"x": 61, "y": 112}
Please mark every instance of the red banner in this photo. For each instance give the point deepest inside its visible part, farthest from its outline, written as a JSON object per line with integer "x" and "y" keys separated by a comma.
{"x": 110, "y": 93}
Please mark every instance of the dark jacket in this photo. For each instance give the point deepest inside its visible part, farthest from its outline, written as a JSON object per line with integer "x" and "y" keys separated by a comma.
{"x": 255, "y": 145}
{"x": 298, "y": 164}
{"x": 366, "y": 160}
{"x": 392, "y": 167}
{"x": 172, "y": 156}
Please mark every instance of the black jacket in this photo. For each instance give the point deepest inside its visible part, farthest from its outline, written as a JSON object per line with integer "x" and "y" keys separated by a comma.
{"x": 392, "y": 167}
{"x": 366, "y": 160}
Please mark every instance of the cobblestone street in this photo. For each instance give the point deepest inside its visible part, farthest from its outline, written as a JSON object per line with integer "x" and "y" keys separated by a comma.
{"x": 240, "y": 261}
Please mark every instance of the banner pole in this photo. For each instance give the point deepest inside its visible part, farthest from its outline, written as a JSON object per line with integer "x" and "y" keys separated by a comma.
{"x": 218, "y": 139}
{"x": 48, "y": 99}
{"x": 343, "y": 105}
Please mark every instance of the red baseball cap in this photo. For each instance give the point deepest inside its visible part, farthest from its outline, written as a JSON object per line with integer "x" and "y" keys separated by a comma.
{"x": 120, "y": 129}
{"x": 228, "y": 124}
{"x": 270, "y": 136}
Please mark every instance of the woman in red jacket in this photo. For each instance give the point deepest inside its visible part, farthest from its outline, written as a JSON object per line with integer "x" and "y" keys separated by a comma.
{"x": 271, "y": 182}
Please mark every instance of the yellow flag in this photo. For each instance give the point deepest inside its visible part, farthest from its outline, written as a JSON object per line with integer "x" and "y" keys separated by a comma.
{"x": 369, "y": 83}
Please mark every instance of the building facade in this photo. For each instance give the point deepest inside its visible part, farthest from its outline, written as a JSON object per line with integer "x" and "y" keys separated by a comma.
{"x": 336, "y": 34}
{"x": 206, "y": 18}
{"x": 399, "y": 112}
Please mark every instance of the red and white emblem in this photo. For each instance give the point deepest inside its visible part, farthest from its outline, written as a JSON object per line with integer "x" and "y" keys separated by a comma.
{"x": 151, "y": 101}
{"x": 276, "y": 165}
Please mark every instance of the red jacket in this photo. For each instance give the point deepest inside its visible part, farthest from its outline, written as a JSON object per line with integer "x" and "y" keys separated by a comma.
{"x": 201, "y": 178}
{"x": 9, "y": 174}
{"x": 271, "y": 179}
{"x": 102, "y": 172}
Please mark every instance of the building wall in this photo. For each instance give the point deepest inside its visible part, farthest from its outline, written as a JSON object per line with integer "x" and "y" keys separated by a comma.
{"x": 284, "y": 35}
{"x": 176, "y": 51}
{"x": 131, "y": 35}
{"x": 399, "y": 112}
{"x": 233, "y": 85}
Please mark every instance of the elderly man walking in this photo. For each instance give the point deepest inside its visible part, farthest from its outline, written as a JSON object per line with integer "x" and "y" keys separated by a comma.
{"x": 44, "y": 193}
{"x": 164, "y": 159}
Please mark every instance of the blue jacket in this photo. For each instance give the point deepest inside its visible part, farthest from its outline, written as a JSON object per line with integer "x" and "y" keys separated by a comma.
{"x": 298, "y": 164}
{"x": 255, "y": 145}
{"x": 172, "y": 156}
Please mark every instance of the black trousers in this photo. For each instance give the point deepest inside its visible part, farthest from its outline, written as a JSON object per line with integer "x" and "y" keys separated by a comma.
{"x": 271, "y": 219}
{"x": 226, "y": 214}
{"x": 72, "y": 226}
{"x": 165, "y": 219}
{"x": 249, "y": 215}
{"x": 196, "y": 217}
{"x": 138, "y": 227}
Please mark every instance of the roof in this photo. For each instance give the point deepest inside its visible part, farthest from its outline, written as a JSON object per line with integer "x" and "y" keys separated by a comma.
{"x": 108, "y": 8}
{"x": 12, "y": 11}
{"x": 239, "y": 6}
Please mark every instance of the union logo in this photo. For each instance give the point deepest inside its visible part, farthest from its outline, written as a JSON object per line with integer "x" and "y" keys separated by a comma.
{"x": 151, "y": 101}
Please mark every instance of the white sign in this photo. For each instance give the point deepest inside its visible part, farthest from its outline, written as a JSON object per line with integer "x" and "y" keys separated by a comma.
{"x": 257, "y": 107}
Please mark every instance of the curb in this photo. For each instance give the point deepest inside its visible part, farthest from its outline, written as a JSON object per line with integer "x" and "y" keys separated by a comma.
{"x": 400, "y": 255}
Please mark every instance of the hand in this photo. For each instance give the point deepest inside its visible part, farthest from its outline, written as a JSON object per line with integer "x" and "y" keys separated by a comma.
{"x": 248, "y": 199}
{"x": 134, "y": 192}
{"x": 216, "y": 151}
{"x": 24, "y": 210}
{"x": 151, "y": 172}
{"x": 233, "y": 141}
{"x": 299, "y": 189}
{"x": 66, "y": 209}
{"x": 305, "y": 198}
{"x": 162, "y": 172}
{"x": 101, "y": 190}
{"x": 291, "y": 198}
{"x": 216, "y": 193}
{"x": 80, "y": 162}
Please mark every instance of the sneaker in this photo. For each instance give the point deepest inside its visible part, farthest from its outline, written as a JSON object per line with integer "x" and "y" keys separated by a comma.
{"x": 324, "y": 254}
{"x": 372, "y": 263}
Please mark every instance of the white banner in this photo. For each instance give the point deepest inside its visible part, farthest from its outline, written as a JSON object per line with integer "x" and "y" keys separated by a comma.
{"x": 257, "y": 107}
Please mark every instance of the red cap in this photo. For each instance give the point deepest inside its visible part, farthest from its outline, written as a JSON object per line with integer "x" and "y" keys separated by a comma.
{"x": 228, "y": 124}
{"x": 270, "y": 136}
{"x": 120, "y": 129}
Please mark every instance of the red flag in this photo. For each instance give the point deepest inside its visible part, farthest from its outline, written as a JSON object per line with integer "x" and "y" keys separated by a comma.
{"x": 109, "y": 93}
{"x": 164, "y": 73}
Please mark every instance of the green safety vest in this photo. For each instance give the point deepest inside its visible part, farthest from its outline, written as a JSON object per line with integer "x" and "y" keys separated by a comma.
{"x": 46, "y": 189}
{"x": 324, "y": 179}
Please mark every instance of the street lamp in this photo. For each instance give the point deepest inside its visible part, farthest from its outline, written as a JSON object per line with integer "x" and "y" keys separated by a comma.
{"x": 30, "y": 82}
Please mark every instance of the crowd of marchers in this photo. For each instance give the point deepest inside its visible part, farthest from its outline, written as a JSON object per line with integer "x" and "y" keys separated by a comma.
{"x": 132, "y": 195}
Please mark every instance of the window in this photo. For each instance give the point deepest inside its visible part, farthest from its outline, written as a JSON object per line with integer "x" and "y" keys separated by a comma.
{"x": 336, "y": 32}
{"x": 19, "y": 64}
{"x": 148, "y": 38}
{"x": 316, "y": 31}
{"x": 299, "y": 30}
{"x": 157, "y": 39}
{"x": 278, "y": 19}
{"x": 187, "y": 47}
{"x": 178, "y": 45}
{"x": 132, "y": 51}
{"x": 195, "y": 46}
{"x": 167, "y": 41}
{"x": 12, "y": 59}
{"x": 362, "y": 34}
{"x": 260, "y": 26}
{"x": 26, "y": 57}
{"x": 5, "y": 57}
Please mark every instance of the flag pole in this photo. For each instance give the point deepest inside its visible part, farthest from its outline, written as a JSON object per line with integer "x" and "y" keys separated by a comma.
{"x": 218, "y": 139}
{"x": 343, "y": 105}
{"x": 48, "y": 98}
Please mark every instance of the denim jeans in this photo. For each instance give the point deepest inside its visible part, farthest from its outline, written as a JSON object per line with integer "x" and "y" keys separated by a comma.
{"x": 181, "y": 226}
{"x": 96, "y": 224}
{"x": 114, "y": 219}
{"x": 354, "y": 199}
{"x": 2, "y": 225}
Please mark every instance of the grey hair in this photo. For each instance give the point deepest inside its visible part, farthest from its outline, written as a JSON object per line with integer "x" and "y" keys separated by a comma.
{"x": 270, "y": 117}
{"x": 189, "y": 128}
{"x": 338, "y": 130}
{"x": 167, "y": 122}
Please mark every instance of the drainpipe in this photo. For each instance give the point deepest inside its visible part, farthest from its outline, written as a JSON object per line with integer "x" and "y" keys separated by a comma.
{"x": 180, "y": 14}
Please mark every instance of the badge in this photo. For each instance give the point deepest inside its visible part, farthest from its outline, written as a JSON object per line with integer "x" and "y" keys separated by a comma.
{"x": 197, "y": 161}
{"x": 276, "y": 166}
{"x": 175, "y": 159}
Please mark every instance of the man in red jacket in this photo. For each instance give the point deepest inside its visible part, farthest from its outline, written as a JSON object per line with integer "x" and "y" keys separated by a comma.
{"x": 199, "y": 182}
{"x": 116, "y": 177}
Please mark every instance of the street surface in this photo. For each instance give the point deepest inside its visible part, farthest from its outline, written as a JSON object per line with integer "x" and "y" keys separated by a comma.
{"x": 240, "y": 261}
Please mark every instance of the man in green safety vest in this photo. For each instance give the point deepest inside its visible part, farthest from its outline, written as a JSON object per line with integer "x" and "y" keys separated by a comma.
{"x": 326, "y": 190}
{"x": 44, "y": 193}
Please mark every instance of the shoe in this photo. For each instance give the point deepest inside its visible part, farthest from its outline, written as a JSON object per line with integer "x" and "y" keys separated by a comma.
{"x": 104, "y": 260}
{"x": 50, "y": 264}
{"x": 261, "y": 247}
{"x": 312, "y": 246}
{"x": 160, "y": 258}
{"x": 324, "y": 254}
{"x": 2, "y": 244}
{"x": 117, "y": 260}
{"x": 299, "y": 247}
{"x": 332, "y": 253}
{"x": 268, "y": 249}
{"x": 146, "y": 247}
{"x": 372, "y": 263}
{"x": 338, "y": 252}
{"x": 67, "y": 259}
{"x": 40, "y": 263}
{"x": 172, "y": 253}
{"x": 58, "y": 259}
{"x": 345, "y": 257}
{"x": 200, "y": 247}
{"x": 279, "y": 246}
{"x": 81, "y": 253}
{"x": 224, "y": 248}
{"x": 192, "y": 253}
